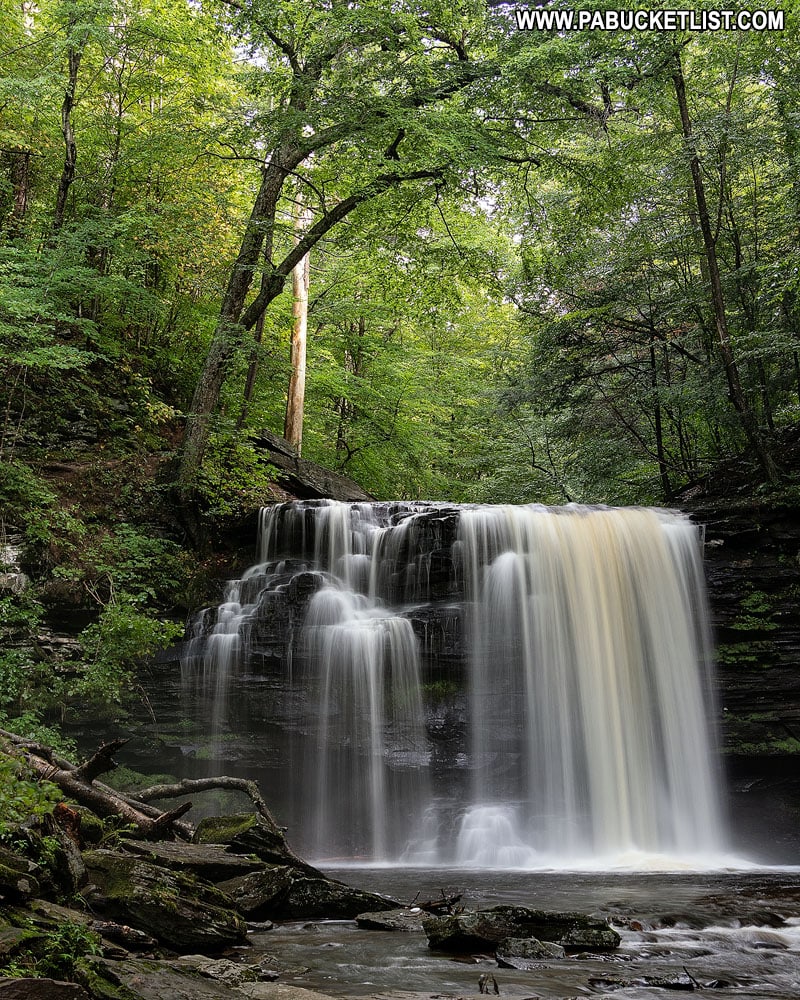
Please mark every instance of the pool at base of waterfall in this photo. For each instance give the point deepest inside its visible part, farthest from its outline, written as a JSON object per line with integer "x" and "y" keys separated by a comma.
{"x": 733, "y": 934}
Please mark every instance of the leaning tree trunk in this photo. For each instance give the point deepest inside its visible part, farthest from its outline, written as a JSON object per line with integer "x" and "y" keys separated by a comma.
{"x": 723, "y": 338}
{"x": 235, "y": 318}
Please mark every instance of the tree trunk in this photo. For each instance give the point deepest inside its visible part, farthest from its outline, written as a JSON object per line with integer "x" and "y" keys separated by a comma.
{"x": 19, "y": 175}
{"x": 295, "y": 401}
{"x": 235, "y": 318}
{"x": 663, "y": 469}
{"x": 735, "y": 391}
{"x": 74, "y": 56}
{"x": 252, "y": 373}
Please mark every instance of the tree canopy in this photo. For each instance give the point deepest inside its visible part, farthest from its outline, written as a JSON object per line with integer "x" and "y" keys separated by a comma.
{"x": 543, "y": 264}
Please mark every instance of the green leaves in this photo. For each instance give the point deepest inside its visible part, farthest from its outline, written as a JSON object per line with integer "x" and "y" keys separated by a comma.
{"x": 22, "y": 796}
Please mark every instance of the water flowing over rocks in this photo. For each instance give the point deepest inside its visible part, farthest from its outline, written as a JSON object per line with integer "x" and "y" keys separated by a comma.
{"x": 484, "y": 682}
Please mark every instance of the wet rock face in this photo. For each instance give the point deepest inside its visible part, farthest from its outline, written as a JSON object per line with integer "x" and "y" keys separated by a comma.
{"x": 752, "y": 561}
{"x": 486, "y": 929}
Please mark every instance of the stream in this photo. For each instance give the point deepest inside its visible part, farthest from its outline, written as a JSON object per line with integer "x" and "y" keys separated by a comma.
{"x": 733, "y": 934}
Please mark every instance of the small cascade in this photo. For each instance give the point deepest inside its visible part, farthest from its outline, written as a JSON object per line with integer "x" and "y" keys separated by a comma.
{"x": 481, "y": 686}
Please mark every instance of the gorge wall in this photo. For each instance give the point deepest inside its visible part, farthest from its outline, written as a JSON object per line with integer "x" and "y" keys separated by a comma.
{"x": 752, "y": 560}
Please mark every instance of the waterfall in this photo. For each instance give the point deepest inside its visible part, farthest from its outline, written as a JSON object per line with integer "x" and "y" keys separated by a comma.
{"x": 488, "y": 686}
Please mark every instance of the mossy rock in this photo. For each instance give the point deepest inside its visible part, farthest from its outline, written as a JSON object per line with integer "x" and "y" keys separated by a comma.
{"x": 484, "y": 929}
{"x": 310, "y": 898}
{"x": 180, "y": 911}
{"x": 223, "y": 829}
{"x": 147, "y": 979}
{"x": 41, "y": 989}
{"x": 93, "y": 830}
{"x": 261, "y": 894}
{"x": 19, "y": 877}
{"x": 207, "y": 861}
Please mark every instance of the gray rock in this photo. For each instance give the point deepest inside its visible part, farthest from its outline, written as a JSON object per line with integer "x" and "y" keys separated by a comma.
{"x": 261, "y": 893}
{"x": 321, "y": 897}
{"x": 279, "y": 991}
{"x": 11, "y": 940}
{"x": 18, "y": 877}
{"x": 204, "y": 860}
{"x": 391, "y": 920}
{"x": 182, "y": 912}
{"x": 485, "y": 929}
{"x": 148, "y": 979}
{"x": 281, "y": 892}
{"x": 222, "y": 969}
{"x": 41, "y": 989}
{"x": 527, "y": 953}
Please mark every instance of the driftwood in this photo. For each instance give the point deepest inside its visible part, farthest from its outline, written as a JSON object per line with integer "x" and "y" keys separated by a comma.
{"x": 440, "y": 907}
{"x": 189, "y": 785}
{"x": 80, "y": 783}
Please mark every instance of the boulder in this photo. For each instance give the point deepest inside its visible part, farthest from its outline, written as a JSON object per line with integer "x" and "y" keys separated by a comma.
{"x": 261, "y": 893}
{"x": 270, "y": 846}
{"x": 204, "y": 860}
{"x": 12, "y": 940}
{"x": 391, "y": 920}
{"x": 41, "y": 989}
{"x": 486, "y": 929}
{"x": 224, "y": 970}
{"x": 281, "y": 892}
{"x": 527, "y": 953}
{"x": 17, "y": 881}
{"x": 279, "y": 991}
{"x": 149, "y": 979}
{"x": 322, "y": 897}
{"x": 222, "y": 829}
{"x": 182, "y": 912}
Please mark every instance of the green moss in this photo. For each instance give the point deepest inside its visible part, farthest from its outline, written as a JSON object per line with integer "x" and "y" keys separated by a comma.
{"x": 124, "y": 779}
{"x": 762, "y": 652}
{"x": 222, "y": 829}
{"x": 789, "y": 745}
{"x": 439, "y": 690}
{"x": 88, "y": 974}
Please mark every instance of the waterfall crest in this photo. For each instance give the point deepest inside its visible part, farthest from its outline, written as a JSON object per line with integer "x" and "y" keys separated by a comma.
{"x": 488, "y": 686}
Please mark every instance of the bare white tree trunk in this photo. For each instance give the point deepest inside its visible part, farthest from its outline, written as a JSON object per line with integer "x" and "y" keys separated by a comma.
{"x": 295, "y": 401}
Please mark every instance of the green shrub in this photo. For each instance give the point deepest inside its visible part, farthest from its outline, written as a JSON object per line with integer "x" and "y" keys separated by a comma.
{"x": 122, "y": 637}
{"x": 22, "y": 794}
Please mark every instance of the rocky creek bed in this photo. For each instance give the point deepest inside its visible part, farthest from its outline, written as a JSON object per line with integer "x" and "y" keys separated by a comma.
{"x": 175, "y": 921}
{"x": 146, "y": 920}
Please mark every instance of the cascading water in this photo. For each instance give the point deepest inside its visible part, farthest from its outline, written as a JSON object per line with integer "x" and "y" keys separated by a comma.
{"x": 493, "y": 686}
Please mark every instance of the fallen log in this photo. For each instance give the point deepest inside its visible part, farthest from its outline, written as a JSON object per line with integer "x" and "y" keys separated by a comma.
{"x": 79, "y": 782}
{"x": 103, "y": 803}
{"x": 189, "y": 785}
{"x": 101, "y": 798}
